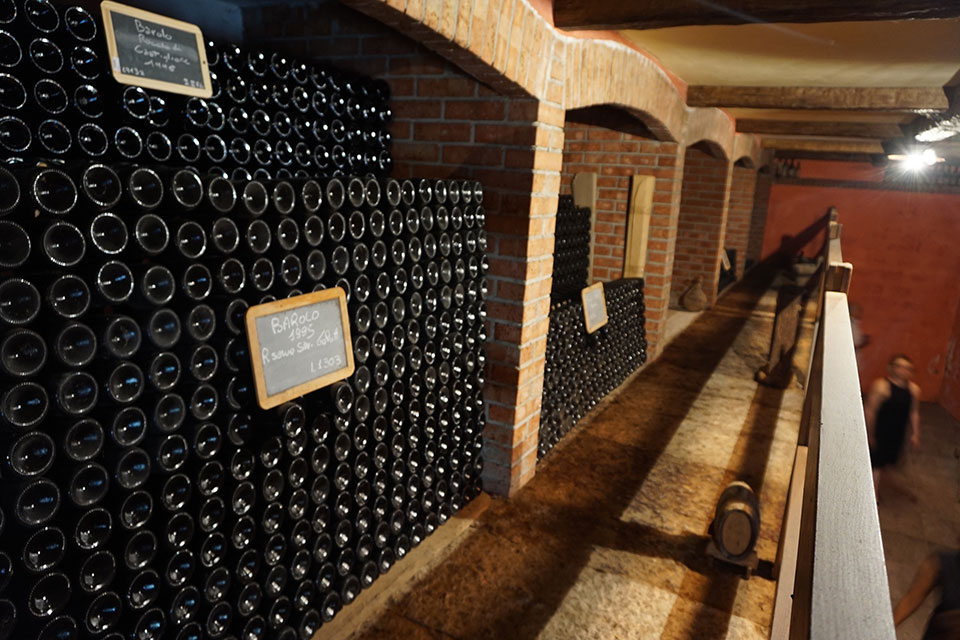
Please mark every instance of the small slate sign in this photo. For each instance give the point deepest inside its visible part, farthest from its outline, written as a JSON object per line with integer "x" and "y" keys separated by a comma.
{"x": 299, "y": 344}
{"x": 594, "y": 307}
{"x": 155, "y": 52}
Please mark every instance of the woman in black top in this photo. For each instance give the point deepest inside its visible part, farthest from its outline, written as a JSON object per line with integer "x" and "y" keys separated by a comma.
{"x": 892, "y": 404}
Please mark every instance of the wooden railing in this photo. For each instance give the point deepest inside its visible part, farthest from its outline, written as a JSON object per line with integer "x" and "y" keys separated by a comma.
{"x": 832, "y": 577}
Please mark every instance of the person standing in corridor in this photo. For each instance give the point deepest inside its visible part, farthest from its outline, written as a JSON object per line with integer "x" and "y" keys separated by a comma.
{"x": 892, "y": 404}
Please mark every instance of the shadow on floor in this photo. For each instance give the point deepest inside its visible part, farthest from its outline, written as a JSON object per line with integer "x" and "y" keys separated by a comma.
{"x": 509, "y": 578}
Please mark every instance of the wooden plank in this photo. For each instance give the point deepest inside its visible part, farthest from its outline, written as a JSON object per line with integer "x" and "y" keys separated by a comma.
{"x": 834, "y": 251}
{"x": 372, "y": 602}
{"x": 842, "y": 98}
{"x": 828, "y": 155}
{"x": 785, "y": 567}
{"x": 803, "y": 582}
{"x": 777, "y": 370}
{"x": 638, "y": 225}
{"x": 584, "y": 188}
{"x": 850, "y": 597}
{"x": 835, "y": 228}
{"x": 811, "y": 397}
{"x": 656, "y": 14}
{"x": 881, "y": 130}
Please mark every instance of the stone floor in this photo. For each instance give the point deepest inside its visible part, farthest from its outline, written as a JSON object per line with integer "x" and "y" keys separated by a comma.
{"x": 608, "y": 540}
{"x": 677, "y": 321}
{"x": 920, "y": 509}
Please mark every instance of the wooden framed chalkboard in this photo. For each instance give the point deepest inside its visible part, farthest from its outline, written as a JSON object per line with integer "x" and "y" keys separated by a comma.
{"x": 299, "y": 344}
{"x": 594, "y": 307}
{"x": 155, "y": 52}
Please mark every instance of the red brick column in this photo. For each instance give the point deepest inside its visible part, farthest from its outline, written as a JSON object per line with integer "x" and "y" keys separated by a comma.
{"x": 702, "y": 223}
{"x": 758, "y": 215}
{"x": 739, "y": 210}
{"x": 615, "y": 156}
{"x": 521, "y": 266}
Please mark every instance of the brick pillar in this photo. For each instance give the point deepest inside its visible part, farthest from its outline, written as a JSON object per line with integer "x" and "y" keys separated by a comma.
{"x": 758, "y": 215}
{"x": 661, "y": 247}
{"x": 739, "y": 210}
{"x": 702, "y": 223}
{"x": 521, "y": 268}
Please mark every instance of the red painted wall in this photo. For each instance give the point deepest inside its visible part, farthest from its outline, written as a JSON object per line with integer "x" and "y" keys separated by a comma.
{"x": 906, "y": 275}
{"x": 950, "y": 392}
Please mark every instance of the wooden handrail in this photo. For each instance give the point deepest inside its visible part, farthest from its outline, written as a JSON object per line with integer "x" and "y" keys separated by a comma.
{"x": 850, "y": 594}
{"x": 832, "y": 572}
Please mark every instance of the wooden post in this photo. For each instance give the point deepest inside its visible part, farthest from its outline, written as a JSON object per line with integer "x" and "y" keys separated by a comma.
{"x": 838, "y": 277}
{"x": 584, "y": 189}
{"x": 638, "y": 225}
{"x": 776, "y": 371}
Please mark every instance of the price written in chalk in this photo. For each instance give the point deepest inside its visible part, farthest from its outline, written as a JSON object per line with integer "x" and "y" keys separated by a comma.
{"x": 301, "y": 344}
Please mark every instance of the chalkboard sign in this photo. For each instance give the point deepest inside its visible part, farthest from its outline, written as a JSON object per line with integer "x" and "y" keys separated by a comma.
{"x": 156, "y": 52}
{"x": 594, "y": 307}
{"x": 299, "y": 344}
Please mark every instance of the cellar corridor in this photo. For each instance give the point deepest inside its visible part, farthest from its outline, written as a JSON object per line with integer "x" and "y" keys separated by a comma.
{"x": 608, "y": 539}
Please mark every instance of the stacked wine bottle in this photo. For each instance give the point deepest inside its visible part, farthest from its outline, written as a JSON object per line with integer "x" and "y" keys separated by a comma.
{"x": 146, "y": 495}
{"x": 270, "y": 117}
{"x": 571, "y": 253}
{"x": 581, "y": 368}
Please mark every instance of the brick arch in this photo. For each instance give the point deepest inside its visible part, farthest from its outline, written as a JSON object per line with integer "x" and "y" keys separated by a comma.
{"x": 709, "y": 147}
{"x": 745, "y": 162}
{"x": 613, "y": 115}
{"x": 701, "y": 224}
{"x": 509, "y": 46}
{"x": 597, "y": 70}
{"x": 747, "y": 146}
{"x": 712, "y": 125}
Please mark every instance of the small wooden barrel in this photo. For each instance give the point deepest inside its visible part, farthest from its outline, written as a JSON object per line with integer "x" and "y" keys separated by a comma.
{"x": 736, "y": 522}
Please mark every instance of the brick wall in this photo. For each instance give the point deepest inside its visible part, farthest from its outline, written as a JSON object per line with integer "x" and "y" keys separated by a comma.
{"x": 758, "y": 217}
{"x": 739, "y": 210}
{"x": 701, "y": 224}
{"x": 448, "y": 124}
{"x": 615, "y": 156}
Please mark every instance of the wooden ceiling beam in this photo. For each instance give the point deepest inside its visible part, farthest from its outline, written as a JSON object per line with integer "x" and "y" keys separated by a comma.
{"x": 877, "y": 130}
{"x": 655, "y": 14}
{"x": 837, "y": 145}
{"x": 910, "y": 99}
{"x": 838, "y": 156}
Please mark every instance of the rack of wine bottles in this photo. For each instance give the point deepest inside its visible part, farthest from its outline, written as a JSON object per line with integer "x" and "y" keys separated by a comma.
{"x": 571, "y": 253}
{"x": 146, "y": 495}
{"x": 582, "y": 368}
{"x": 270, "y": 117}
